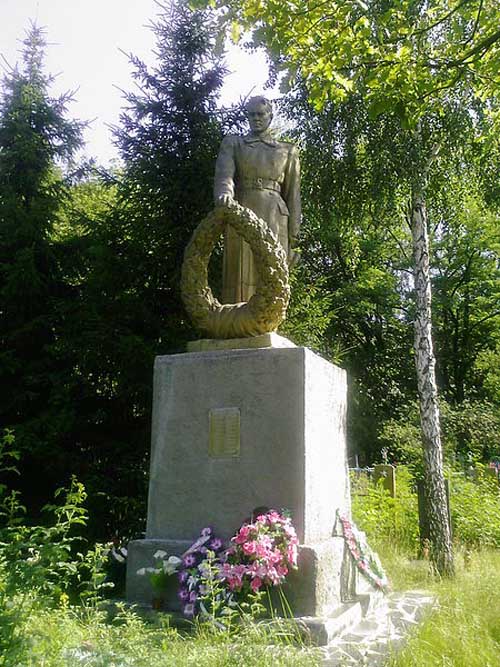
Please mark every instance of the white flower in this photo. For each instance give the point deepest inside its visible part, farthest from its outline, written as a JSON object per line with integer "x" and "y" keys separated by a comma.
{"x": 170, "y": 566}
{"x": 160, "y": 554}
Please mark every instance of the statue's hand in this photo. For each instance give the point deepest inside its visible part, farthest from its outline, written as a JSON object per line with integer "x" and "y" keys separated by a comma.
{"x": 225, "y": 200}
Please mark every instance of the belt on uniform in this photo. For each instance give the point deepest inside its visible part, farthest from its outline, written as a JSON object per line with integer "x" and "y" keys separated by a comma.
{"x": 260, "y": 184}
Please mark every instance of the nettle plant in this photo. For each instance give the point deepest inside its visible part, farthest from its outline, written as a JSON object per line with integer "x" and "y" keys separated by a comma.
{"x": 48, "y": 560}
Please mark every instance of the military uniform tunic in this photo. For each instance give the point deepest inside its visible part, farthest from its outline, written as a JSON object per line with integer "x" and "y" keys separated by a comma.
{"x": 262, "y": 174}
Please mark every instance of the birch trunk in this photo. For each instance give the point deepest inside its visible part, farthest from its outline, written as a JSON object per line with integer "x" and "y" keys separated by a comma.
{"x": 436, "y": 500}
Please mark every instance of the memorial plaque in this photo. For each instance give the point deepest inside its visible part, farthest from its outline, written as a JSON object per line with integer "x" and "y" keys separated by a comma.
{"x": 224, "y": 433}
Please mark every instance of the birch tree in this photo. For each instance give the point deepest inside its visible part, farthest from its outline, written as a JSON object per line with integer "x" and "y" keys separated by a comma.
{"x": 411, "y": 58}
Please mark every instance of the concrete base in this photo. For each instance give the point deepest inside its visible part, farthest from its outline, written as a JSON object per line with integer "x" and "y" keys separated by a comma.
{"x": 234, "y": 430}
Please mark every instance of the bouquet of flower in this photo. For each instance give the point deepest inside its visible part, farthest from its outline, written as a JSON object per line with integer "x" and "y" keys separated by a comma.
{"x": 198, "y": 573}
{"x": 366, "y": 560}
{"x": 262, "y": 553}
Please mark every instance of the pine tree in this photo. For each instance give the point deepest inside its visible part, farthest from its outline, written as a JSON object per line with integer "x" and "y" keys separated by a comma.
{"x": 168, "y": 139}
{"x": 129, "y": 308}
{"x": 36, "y": 139}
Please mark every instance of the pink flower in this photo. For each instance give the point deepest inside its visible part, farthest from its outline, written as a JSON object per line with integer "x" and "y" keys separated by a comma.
{"x": 249, "y": 548}
{"x": 273, "y": 576}
{"x": 282, "y": 570}
{"x": 243, "y": 534}
{"x": 233, "y": 583}
{"x": 291, "y": 554}
{"x": 261, "y": 551}
{"x": 275, "y": 556}
{"x": 233, "y": 574}
{"x": 257, "y": 570}
{"x": 255, "y": 584}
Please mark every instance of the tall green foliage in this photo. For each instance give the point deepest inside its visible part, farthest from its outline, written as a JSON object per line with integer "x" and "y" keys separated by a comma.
{"x": 36, "y": 138}
{"x": 128, "y": 308}
{"x": 355, "y": 250}
{"x": 168, "y": 139}
{"x": 466, "y": 290}
{"x": 90, "y": 274}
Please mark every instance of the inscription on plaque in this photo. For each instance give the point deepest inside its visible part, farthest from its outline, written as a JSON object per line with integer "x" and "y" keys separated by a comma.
{"x": 224, "y": 433}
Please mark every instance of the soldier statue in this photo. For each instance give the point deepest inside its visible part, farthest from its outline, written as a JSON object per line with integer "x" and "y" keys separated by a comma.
{"x": 262, "y": 174}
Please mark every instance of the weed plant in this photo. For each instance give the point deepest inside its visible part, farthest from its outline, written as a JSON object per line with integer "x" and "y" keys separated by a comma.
{"x": 475, "y": 510}
{"x": 463, "y": 630}
{"x": 382, "y": 517}
{"x": 71, "y": 636}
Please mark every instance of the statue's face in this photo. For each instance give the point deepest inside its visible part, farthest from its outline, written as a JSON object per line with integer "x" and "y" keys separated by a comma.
{"x": 259, "y": 117}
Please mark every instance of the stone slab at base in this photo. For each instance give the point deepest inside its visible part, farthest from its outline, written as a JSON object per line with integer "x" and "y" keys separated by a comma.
{"x": 264, "y": 340}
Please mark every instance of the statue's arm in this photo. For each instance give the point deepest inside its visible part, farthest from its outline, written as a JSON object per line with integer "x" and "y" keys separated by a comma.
{"x": 225, "y": 170}
{"x": 291, "y": 195}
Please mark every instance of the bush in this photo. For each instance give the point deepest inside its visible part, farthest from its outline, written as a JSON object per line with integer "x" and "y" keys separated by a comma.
{"x": 475, "y": 510}
{"x": 470, "y": 432}
{"x": 385, "y": 518}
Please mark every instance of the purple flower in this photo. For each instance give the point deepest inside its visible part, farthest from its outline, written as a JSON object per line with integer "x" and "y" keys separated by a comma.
{"x": 183, "y": 576}
{"x": 216, "y": 544}
{"x": 183, "y": 594}
{"x": 206, "y": 531}
{"x": 188, "y": 610}
{"x": 189, "y": 560}
{"x": 193, "y": 596}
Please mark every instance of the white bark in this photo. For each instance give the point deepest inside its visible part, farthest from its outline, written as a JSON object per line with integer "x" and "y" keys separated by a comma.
{"x": 436, "y": 500}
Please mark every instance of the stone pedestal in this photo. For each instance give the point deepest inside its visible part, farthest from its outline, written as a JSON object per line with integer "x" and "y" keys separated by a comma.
{"x": 237, "y": 429}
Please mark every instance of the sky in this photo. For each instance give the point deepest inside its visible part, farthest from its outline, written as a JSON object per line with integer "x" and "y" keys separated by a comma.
{"x": 85, "y": 43}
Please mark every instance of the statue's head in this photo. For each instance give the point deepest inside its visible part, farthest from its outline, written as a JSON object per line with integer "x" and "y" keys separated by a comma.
{"x": 259, "y": 112}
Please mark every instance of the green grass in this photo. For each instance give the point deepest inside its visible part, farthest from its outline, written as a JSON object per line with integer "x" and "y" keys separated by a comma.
{"x": 69, "y": 637}
{"x": 462, "y": 631}
{"x": 464, "y": 628}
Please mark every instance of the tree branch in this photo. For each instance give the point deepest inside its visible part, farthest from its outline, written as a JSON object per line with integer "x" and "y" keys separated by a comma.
{"x": 476, "y": 23}
{"x": 441, "y": 20}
